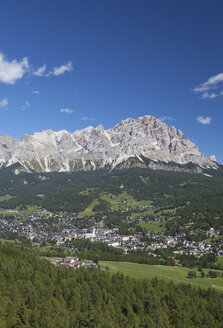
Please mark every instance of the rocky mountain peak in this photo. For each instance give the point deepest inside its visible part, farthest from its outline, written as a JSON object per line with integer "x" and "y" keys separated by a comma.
{"x": 213, "y": 158}
{"x": 91, "y": 148}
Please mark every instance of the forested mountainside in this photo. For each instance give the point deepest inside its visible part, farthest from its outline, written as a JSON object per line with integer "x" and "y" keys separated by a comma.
{"x": 75, "y": 191}
{"x": 34, "y": 293}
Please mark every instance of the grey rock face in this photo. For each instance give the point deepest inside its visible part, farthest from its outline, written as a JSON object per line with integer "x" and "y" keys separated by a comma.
{"x": 91, "y": 148}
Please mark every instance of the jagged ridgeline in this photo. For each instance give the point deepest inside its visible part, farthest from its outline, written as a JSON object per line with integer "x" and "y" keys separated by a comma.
{"x": 74, "y": 191}
{"x": 141, "y": 142}
{"x": 34, "y": 293}
{"x": 142, "y": 157}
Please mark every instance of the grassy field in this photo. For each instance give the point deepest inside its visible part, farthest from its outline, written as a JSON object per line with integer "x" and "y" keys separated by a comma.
{"x": 219, "y": 260}
{"x": 167, "y": 273}
{"x": 154, "y": 226}
{"x": 6, "y": 197}
{"x": 89, "y": 210}
{"x": 87, "y": 191}
{"x": 3, "y": 241}
{"x": 3, "y": 211}
{"x": 145, "y": 213}
{"x": 167, "y": 211}
{"x": 29, "y": 210}
{"x": 123, "y": 201}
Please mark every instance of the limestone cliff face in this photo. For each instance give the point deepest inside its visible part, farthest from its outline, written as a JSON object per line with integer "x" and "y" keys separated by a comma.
{"x": 92, "y": 148}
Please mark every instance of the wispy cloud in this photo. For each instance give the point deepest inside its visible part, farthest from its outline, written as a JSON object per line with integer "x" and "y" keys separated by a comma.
{"x": 211, "y": 95}
{"x": 56, "y": 71}
{"x": 86, "y": 118}
{"x": 204, "y": 120}
{"x": 166, "y": 118}
{"x": 36, "y": 92}
{"x": 26, "y": 105}
{"x": 61, "y": 69}
{"x": 66, "y": 110}
{"x": 4, "y": 102}
{"x": 40, "y": 71}
{"x": 213, "y": 82}
{"x": 12, "y": 71}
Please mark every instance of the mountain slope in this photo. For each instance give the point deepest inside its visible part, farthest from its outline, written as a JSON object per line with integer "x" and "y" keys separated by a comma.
{"x": 91, "y": 148}
{"x": 75, "y": 191}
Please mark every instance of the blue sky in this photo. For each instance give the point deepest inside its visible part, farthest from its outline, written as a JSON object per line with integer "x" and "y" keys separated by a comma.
{"x": 70, "y": 64}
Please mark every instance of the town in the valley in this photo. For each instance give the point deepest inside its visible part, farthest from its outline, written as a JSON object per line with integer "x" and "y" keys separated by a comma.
{"x": 59, "y": 229}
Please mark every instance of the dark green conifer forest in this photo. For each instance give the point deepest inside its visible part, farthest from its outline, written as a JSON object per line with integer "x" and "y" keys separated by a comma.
{"x": 34, "y": 293}
{"x": 189, "y": 193}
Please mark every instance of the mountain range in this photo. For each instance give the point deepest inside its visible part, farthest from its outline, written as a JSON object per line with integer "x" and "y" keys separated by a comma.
{"x": 144, "y": 142}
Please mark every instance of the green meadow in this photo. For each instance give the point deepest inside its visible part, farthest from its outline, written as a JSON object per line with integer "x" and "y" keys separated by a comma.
{"x": 167, "y": 273}
{"x": 15, "y": 212}
{"x": 5, "y": 197}
{"x": 89, "y": 210}
{"x": 123, "y": 201}
{"x": 3, "y": 241}
{"x": 154, "y": 226}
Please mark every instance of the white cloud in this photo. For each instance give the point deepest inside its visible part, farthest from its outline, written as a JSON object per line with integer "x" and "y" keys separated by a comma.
{"x": 36, "y": 92}
{"x": 10, "y": 72}
{"x": 166, "y": 118}
{"x": 86, "y": 118}
{"x": 40, "y": 71}
{"x": 66, "y": 110}
{"x": 206, "y": 95}
{"x": 213, "y": 82}
{"x": 61, "y": 70}
{"x": 4, "y": 102}
{"x": 201, "y": 88}
{"x": 214, "y": 79}
{"x": 26, "y": 105}
{"x": 204, "y": 120}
